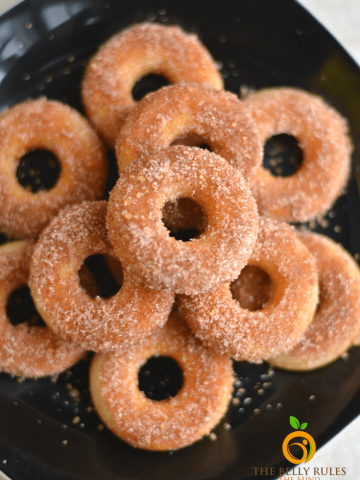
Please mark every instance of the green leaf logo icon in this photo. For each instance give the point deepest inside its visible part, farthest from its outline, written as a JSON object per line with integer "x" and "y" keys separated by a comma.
{"x": 294, "y": 422}
{"x": 303, "y": 426}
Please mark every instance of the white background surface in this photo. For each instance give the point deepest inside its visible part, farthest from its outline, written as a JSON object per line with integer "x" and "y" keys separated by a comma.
{"x": 342, "y": 18}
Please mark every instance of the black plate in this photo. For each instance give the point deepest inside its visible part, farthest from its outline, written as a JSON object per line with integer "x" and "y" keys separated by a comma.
{"x": 44, "y": 45}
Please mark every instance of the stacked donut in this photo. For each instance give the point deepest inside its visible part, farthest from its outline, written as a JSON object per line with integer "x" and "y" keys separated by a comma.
{"x": 249, "y": 286}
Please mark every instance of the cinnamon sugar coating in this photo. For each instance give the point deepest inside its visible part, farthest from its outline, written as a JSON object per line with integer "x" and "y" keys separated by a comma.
{"x": 200, "y": 112}
{"x": 29, "y": 351}
{"x": 220, "y": 322}
{"x": 322, "y": 134}
{"x": 143, "y": 244}
{"x": 99, "y": 324}
{"x": 337, "y": 319}
{"x": 53, "y": 126}
{"x": 133, "y": 53}
{"x": 167, "y": 424}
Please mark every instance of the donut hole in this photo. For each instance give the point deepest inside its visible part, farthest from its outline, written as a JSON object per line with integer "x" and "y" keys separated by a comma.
{"x": 147, "y": 84}
{"x": 101, "y": 276}
{"x": 3, "y": 238}
{"x": 321, "y": 297}
{"x": 38, "y": 170}
{"x": 282, "y": 155}
{"x": 191, "y": 140}
{"x": 253, "y": 288}
{"x": 184, "y": 218}
{"x": 21, "y": 308}
{"x": 160, "y": 378}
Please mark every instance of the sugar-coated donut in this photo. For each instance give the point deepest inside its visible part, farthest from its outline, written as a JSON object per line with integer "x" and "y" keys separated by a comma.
{"x": 30, "y": 351}
{"x": 53, "y": 126}
{"x": 133, "y": 53}
{"x": 99, "y": 324}
{"x": 323, "y": 137}
{"x": 220, "y": 322}
{"x": 337, "y": 319}
{"x": 141, "y": 241}
{"x": 167, "y": 424}
{"x": 173, "y": 113}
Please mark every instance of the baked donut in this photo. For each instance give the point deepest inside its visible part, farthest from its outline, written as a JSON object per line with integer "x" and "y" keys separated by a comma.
{"x": 99, "y": 324}
{"x": 174, "y": 422}
{"x": 131, "y": 54}
{"x": 141, "y": 240}
{"x": 53, "y": 126}
{"x": 337, "y": 319}
{"x": 221, "y": 323}
{"x": 207, "y": 115}
{"x": 30, "y": 351}
{"x": 323, "y": 137}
